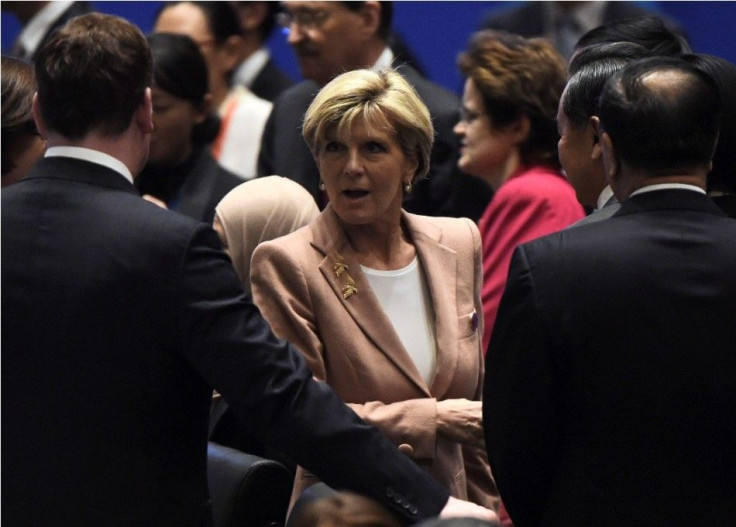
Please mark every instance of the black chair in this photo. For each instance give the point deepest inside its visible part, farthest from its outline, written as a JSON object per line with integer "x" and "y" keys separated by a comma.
{"x": 247, "y": 490}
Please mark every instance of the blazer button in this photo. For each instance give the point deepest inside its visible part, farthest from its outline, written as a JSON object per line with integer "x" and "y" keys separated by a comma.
{"x": 413, "y": 510}
{"x": 390, "y": 492}
{"x": 406, "y": 449}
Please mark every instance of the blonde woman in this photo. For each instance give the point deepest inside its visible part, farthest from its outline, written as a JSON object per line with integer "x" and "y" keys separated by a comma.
{"x": 385, "y": 305}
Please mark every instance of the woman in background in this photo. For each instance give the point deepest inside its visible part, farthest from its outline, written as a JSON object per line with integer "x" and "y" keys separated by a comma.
{"x": 180, "y": 171}
{"x": 257, "y": 211}
{"x": 22, "y": 145}
{"x": 508, "y": 134}
{"x": 384, "y": 304}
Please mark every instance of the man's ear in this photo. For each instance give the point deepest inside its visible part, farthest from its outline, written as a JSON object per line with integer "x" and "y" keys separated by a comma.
{"x": 144, "y": 114}
{"x": 36, "y": 111}
{"x": 370, "y": 13}
{"x": 592, "y": 131}
{"x": 610, "y": 159}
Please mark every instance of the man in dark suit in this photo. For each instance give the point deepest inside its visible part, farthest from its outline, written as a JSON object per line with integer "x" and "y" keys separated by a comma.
{"x": 40, "y": 20}
{"x": 610, "y": 389}
{"x": 119, "y": 316}
{"x": 258, "y": 72}
{"x": 330, "y": 38}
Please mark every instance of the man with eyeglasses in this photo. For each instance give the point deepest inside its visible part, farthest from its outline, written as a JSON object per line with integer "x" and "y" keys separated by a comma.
{"x": 330, "y": 38}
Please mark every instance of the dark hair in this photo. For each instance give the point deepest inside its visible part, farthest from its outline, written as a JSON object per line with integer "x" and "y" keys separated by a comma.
{"x": 723, "y": 73}
{"x": 269, "y": 22}
{"x": 18, "y": 85}
{"x": 518, "y": 76}
{"x": 180, "y": 69}
{"x": 648, "y": 31}
{"x": 222, "y": 18}
{"x": 626, "y": 51}
{"x": 596, "y": 64}
{"x": 387, "y": 15}
{"x": 92, "y": 75}
{"x": 661, "y": 124}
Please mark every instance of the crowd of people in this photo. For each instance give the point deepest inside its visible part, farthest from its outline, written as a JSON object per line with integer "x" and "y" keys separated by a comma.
{"x": 513, "y": 307}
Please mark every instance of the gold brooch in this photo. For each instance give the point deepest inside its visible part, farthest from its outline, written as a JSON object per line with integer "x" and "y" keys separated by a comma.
{"x": 341, "y": 268}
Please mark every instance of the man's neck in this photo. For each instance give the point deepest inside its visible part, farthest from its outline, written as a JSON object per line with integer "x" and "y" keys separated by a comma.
{"x": 121, "y": 147}
{"x": 631, "y": 180}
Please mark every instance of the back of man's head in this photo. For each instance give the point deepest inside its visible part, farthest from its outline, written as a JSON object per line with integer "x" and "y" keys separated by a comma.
{"x": 661, "y": 114}
{"x": 649, "y": 31}
{"x": 597, "y": 64}
{"x": 92, "y": 76}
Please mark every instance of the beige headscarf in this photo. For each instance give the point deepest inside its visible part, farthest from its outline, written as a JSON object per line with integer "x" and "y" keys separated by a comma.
{"x": 259, "y": 210}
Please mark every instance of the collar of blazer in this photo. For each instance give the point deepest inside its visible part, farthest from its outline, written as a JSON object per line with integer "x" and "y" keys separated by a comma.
{"x": 440, "y": 269}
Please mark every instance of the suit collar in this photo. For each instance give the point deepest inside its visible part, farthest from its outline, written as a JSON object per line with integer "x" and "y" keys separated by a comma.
{"x": 669, "y": 199}
{"x": 81, "y": 171}
{"x": 439, "y": 265}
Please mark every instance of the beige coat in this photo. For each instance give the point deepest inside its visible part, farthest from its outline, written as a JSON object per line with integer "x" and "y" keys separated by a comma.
{"x": 351, "y": 344}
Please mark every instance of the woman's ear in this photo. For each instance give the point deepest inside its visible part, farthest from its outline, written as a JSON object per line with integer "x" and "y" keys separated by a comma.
{"x": 520, "y": 129}
{"x": 204, "y": 109}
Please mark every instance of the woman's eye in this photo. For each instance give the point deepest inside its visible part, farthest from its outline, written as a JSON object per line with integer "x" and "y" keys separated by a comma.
{"x": 375, "y": 147}
{"x": 332, "y": 146}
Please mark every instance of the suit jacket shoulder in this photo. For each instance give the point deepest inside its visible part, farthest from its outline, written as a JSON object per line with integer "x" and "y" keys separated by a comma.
{"x": 271, "y": 81}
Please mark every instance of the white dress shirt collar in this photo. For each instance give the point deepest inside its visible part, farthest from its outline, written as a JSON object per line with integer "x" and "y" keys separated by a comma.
{"x": 250, "y": 68}
{"x": 667, "y": 186}
{"x": 604, "y": 196}
{"x": 385, "y": 60}
{"x": 93, "y": 156}
{"x": 38, "y": 26}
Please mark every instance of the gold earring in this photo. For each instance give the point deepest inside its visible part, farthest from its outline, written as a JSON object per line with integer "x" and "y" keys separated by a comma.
{"x": 407, "y": 187}
{"x": 321, "y": 185}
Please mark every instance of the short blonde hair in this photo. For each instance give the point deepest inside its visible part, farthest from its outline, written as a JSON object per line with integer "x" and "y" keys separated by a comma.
{"x": 382, "y": 99}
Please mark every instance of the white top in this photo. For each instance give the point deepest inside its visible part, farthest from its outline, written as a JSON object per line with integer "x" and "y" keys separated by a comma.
{"x": 385, "y": 60}
{"x": 244, "y": 117}
{"x": 404, "y": 297}
{"x": 93, "y": 156}
{"x": 38, "y": 26}
{"x": 604, "y": 196}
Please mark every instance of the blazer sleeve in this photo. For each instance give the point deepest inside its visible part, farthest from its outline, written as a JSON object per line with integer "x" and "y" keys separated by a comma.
{"x": 268, "y": 384}
{"x": 519, "y": 399}
{"x": 280, "y": 290}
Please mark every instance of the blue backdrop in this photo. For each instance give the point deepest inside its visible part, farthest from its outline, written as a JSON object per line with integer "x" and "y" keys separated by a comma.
{"x": 438, "y": 31}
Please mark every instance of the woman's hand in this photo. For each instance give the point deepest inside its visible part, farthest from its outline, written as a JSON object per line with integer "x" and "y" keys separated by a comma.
{"x": 461, "y": 420}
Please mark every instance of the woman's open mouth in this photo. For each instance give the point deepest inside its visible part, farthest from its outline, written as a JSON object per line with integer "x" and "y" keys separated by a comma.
{"x": 355, "y": 193}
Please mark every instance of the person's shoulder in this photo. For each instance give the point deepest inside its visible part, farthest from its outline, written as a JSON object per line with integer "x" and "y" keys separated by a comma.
{"x": 456, "y": 233}
{"x": 431, "y": 93}
{"x": 300, "y": 93}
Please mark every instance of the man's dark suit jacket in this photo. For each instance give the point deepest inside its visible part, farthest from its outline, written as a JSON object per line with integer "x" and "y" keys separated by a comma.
{"x": 270, "y": 82}
{"x": 445, "y": 192}
{"x": 610, "y": 392}
{"x": 205, "y": 184}
{"x": 118, "y": 318}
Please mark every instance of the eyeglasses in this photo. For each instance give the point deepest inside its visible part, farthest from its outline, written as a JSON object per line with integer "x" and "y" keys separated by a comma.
{"x": 308, "y": 20}
{"x": 468, "y": 116}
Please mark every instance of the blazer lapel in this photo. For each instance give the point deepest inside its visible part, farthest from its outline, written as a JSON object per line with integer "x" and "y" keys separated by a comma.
{"x": 360, "y": 302}
{"x": 440, "y": 270}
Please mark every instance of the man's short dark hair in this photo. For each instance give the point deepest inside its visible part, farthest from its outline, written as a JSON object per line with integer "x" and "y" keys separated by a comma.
{"x": 387, "y": 15}
{"x": 648, "y": 31}
{"x": 595, "y": 66}
{"x": 661, "y": 124}
{"x": 627, "y": 51}
{"x": 92, "y": 76}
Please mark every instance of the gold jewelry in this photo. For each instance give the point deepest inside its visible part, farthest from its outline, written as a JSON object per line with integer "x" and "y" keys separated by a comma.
{"x": 321, "y": 185}
{"x": 407, "y": 187}
{"x": 341, "y": 268}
